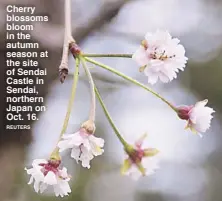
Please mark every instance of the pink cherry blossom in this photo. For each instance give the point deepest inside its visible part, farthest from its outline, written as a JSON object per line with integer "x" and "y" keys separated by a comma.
{"x": 140, "y": 161}
{"x": 84, "y": 146}
{"x": 198, "y": 116}
{"x": 160, "y": 56}
{"x": 47, "y": 173}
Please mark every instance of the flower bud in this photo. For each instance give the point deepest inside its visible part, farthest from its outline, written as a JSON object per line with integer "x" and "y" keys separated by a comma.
{"x": 74, "y": 49}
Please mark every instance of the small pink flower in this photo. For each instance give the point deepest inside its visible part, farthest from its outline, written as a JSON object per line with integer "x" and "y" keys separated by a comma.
{"x": 83, "y": 143}
{"x": 160, "y": 56}
{"x": 140, "y": 161}
{"x": 198, "y": 116}
{"x": 47, "y": 173}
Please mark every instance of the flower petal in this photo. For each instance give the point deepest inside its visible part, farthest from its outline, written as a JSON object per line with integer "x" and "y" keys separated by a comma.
{"x": 50, "y": 178}
{"x": 140, "y": 56}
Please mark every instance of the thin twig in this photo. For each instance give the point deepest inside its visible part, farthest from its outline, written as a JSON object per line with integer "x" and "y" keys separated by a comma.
{"x": 68, "y": 39}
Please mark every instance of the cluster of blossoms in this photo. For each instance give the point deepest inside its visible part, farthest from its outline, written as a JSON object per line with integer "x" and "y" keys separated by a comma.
{"x": 160, "y": 57}
{"x": 84, "y": 147}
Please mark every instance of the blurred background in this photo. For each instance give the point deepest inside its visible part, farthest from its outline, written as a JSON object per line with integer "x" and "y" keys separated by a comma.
{"x": 190, "y": 167}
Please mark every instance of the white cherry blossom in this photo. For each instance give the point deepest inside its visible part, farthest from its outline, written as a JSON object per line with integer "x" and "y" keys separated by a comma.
{"x": 160, "y": 56}
{"x": 84, "y": 146}
{"x": 47, "y": 173}
{"x": 140, "y": 161}
{"x": 198, "y": 116}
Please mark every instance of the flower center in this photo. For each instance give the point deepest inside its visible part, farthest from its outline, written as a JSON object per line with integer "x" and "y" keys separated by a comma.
{"x": 160, "y": 54}
{"x": 50, "y": 166}
{"x": 46, "y": 168}
{"x": 136, "y": 155}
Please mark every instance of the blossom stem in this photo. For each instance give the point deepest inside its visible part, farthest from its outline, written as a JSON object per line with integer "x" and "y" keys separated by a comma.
{"x": 92, "y": 112}
{"x": 124, "y": 143}
{"x": 108, "y": 55}
{"x": 131, "y": 80}
{"x": 72, "y": 97}
{"x": 55, "y": 153}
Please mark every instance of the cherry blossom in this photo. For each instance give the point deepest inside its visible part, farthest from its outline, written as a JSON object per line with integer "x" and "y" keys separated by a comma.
{"x": 140, "y": 161}
{"x": 84, "y": 146}
{"x": 47, "y": 173}
{"x": 198, "y": 116}
{"x": 160, "y": 56}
